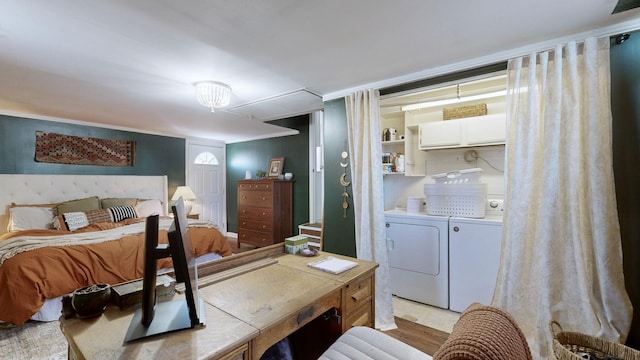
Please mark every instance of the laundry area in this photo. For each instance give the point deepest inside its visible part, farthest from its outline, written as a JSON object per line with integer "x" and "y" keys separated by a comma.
{"x": 443, "y": 165}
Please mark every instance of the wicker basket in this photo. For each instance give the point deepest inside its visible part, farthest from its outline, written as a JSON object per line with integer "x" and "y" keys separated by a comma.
{"x": 464, "y": 111}
{"x": 576, "y": 346}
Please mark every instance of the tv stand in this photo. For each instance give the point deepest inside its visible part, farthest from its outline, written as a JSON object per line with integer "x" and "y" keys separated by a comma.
{"x": 246, "y": 313}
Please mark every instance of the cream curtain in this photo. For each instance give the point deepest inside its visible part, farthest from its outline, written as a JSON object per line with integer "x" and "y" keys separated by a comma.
{"x": 365, "y": 154}
{"x": 561, "y": 253}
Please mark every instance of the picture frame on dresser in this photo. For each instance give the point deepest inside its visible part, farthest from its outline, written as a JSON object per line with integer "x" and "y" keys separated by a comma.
{"x": 276, "y": 165}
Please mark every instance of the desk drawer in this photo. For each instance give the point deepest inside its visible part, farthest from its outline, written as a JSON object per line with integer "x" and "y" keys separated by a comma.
{"x": 361, "y": 317}
{"x": 256, "y": 198}
{"x": 358, "y": 293}
{"x": 258, "y": 213}
{"x": 255, "y": 225}
{"x": 255, "y": 238}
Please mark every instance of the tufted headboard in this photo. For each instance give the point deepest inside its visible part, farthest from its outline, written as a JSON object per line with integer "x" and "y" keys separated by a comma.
{"x": 51, "y": 189}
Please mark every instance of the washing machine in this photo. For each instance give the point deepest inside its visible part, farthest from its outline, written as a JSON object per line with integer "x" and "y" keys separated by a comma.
{"x": 418, "y": 254}
{"x": 474, "y": 259}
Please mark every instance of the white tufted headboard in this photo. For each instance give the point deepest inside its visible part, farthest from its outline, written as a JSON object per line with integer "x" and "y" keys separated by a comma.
{"x": 52, "y": 189}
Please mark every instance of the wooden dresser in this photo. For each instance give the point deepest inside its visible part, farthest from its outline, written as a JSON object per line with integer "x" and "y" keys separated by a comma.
{"x": 265, "y": 214}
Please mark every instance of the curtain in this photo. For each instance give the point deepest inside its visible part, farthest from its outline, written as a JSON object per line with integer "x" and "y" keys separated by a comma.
{"x": 365, "y": 154}
{"x": 561, "y": 252}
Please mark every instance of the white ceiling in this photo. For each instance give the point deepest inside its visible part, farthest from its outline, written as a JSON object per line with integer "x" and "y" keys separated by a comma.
{"x": 132, "y": 63}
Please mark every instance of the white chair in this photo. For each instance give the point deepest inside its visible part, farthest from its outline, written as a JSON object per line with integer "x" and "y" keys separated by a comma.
{"x": 364, "y": 343}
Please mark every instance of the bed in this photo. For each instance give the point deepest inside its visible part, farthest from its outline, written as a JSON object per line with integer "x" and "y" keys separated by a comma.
{"x": 45, "y": 255}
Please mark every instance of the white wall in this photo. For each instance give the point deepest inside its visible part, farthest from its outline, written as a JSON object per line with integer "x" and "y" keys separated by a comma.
{"x": 398, "y": 187}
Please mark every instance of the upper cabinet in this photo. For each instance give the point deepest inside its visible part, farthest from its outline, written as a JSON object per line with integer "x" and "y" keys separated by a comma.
{"x": 472, "y": 131}
{"x": 400, "y": 155}
{"x": 470, "y": 112}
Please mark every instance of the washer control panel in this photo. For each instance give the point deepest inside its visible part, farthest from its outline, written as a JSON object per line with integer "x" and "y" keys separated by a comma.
{"x": 495, "y": 207}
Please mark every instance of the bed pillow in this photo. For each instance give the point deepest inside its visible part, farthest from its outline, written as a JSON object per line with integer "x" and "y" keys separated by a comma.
{"x": 80, "y": 205}
{"x": 144, "y": 208}
{"x": 71, "y": 221}
{"x": 30, "y": 217}
{"x": 119, "y": 213}
{"x": 111, "y": 202}
{"x": 75, "y": 220}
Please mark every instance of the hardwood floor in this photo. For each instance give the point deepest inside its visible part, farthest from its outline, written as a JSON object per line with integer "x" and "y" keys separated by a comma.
{"x": 423, "y": 338}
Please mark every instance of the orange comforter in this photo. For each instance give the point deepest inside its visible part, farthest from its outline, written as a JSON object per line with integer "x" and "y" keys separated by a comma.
{"x": 29, "y": 278}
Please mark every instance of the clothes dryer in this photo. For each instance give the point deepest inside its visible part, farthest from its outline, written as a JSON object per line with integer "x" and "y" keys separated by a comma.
{"x": 418, "y": 253}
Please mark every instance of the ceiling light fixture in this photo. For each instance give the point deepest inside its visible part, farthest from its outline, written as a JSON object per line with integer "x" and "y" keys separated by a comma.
{"x": 455, "y": 100}
{"x": 213, "y": 94}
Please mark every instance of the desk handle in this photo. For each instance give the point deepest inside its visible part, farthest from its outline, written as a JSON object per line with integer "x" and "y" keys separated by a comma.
{"x": 304, "y": 315}
{"x": 359, "y": 295}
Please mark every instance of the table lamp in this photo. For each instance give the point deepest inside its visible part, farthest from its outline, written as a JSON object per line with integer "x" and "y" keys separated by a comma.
{"x": 187, "y": 195}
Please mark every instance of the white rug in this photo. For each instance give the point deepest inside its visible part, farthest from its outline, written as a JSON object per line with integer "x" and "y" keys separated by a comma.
{"x": 33, "y": 340}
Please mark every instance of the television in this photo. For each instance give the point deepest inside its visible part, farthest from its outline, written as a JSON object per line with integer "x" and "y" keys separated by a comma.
{"x": 155, "y": 318}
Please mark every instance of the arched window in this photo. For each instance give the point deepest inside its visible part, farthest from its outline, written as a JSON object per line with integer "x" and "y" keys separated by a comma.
{"x": 206, "y": 158}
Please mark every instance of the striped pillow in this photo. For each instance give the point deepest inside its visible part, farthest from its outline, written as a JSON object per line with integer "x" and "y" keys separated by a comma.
{"x": 119, "y": 213}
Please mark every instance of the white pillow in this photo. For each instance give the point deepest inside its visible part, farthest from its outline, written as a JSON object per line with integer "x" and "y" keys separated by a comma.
{"x": 145, "y": 208}
{"x": 27, "y": 217}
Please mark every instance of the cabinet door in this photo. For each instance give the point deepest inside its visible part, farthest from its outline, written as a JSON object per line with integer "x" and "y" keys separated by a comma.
{"x": 489, "y": 129}
{"x": 440, "y": 133}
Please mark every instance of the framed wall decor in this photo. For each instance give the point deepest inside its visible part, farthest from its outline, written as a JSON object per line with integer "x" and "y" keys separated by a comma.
{"x": 276, "y": 165}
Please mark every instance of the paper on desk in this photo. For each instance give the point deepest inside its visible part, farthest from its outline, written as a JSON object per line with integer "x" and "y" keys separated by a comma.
{"x": 333, "y": 265}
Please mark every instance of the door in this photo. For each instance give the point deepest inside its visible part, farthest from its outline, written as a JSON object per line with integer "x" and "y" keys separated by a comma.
{"x": 205, "y": 176}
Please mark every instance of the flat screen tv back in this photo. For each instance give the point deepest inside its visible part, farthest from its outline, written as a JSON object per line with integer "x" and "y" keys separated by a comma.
{"x": 156, "y": 318}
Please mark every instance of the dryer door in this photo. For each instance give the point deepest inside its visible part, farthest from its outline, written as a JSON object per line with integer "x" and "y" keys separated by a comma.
{"x": 414, "y": 247}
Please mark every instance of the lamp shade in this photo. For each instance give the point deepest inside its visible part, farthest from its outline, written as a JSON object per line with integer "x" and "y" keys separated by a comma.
{"x": 185, "y": 192}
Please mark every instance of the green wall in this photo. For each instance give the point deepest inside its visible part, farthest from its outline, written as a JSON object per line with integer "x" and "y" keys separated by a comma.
{"x": 625, "y": 107}
{"x": 155, "y": 155}
{"x": 254, "y": 155}
{"x": 339, "y": 234}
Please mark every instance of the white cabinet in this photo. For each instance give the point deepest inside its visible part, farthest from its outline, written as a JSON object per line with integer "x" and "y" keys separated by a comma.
{"x": 406, "y": 143}
{"x": 473, "y": 131}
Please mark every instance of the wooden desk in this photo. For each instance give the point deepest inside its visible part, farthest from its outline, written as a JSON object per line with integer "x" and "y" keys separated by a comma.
{"x": 248, "y": 309}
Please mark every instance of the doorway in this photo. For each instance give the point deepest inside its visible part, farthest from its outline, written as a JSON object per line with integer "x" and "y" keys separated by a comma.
{"x": 205, "y": 175}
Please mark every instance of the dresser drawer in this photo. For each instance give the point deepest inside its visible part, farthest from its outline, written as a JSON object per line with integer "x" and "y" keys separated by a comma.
{"x": 255, "y": 186}
{"x": 357, "y": 294}
{"x": 255, "y": 238}
{"x": 257, "y": 213}
{"x": 255, "y": 198}
{"x": 255, "y": 225}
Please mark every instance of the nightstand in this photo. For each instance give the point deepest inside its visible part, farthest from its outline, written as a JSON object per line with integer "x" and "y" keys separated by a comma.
{"x": 193, "y": 216}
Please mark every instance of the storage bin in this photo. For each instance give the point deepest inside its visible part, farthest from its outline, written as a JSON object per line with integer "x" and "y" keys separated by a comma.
{"x": 465, "y": 200}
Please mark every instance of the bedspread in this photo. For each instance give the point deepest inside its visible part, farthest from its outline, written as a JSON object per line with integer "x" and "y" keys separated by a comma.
{"x": 30, "y": 277}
